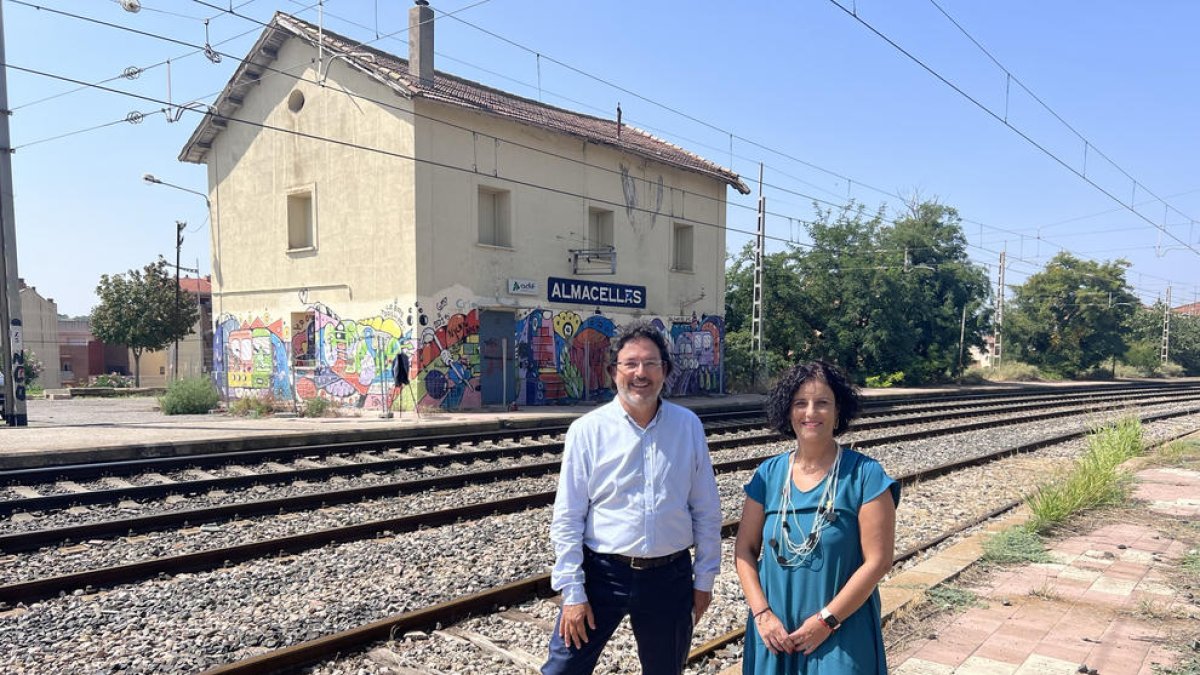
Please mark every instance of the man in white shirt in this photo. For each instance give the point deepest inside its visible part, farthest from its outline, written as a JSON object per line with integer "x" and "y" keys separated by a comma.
{"x": 636, "y": 490}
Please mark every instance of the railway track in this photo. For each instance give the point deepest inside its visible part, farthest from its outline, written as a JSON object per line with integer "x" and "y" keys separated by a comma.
{"x": 112, "y": 490}
{"x": 92, "y": 579}
{"x": 89, "y": 581}
{"x": 435, "y": 617}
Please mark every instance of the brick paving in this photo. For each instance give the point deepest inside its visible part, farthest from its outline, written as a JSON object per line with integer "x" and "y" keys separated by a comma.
{"x": 1099, "y": 602}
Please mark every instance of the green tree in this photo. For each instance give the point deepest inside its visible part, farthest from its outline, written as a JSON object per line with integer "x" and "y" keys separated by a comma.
{"x": 1145, "y": 348}
{"x": 782, "y": 331}
{"x": 142, "y": 310}
{"x": 1071, "y": 316}
{"x": 938, "y": 289}
{"x": 875, "y": 298}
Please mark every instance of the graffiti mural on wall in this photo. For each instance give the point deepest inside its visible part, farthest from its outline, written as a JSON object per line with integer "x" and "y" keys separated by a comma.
{"x": 561, "y": 356}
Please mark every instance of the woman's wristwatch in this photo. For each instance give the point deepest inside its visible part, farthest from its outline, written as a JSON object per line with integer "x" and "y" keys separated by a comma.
{"x": 831, "y": 622}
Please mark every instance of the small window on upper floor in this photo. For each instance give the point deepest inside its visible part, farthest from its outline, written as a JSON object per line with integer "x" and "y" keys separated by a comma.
{"x": 301, "y": 220}
{"x": 495, "y": 208}
{"x": 600, "y": 228}
{"x": 681, "y": 248}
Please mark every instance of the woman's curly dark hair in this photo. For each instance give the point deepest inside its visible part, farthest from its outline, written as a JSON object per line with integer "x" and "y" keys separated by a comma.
{"x": 779, "y": 403}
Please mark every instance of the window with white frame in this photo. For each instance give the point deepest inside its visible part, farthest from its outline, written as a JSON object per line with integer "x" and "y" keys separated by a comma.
{"x": 301, "y": 220}
{"x": 600, "y": 228}
{"x": 495, "y": 206}
{"x": 681, "y": 248}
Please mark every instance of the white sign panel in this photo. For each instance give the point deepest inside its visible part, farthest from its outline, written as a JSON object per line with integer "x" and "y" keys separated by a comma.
{"x": 522, "y": 287}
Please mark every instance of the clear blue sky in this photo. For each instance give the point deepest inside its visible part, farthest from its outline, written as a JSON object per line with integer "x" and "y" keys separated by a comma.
{"x": 802, "y": 78}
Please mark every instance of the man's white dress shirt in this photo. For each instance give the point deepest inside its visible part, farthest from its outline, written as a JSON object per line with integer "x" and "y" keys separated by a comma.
{"x": 637, "y": 492}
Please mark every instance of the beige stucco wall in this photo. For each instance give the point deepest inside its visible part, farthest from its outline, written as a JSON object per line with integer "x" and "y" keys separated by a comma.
{"x": 39, "y": 318}
{"x": 553, "y": 180}
{"x": 363, "y": 254}
{"x": 157, "y": 367}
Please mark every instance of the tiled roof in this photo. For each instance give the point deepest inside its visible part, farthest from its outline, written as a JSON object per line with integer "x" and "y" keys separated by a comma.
{"x": 392, "y": 71}
{"x": 194, "y": 285}
{"x": 1192, "y": 309}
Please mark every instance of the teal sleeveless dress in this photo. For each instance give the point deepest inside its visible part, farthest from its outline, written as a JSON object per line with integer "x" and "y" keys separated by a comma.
{"x": 796, "y": 593}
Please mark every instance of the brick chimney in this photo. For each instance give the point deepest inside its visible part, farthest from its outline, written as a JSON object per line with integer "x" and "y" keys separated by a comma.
{"x": 420, "y": 42}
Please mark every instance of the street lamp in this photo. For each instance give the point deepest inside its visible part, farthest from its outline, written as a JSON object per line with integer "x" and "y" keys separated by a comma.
{"x": 153, "y": 180}
{"x": 179, "y": 227}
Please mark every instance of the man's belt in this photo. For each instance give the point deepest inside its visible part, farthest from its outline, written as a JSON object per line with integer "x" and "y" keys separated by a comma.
{"x": 641, "y": 563}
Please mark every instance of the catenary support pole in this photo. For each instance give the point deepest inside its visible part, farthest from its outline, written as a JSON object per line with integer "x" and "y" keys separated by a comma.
{"x": 10, "y": 308}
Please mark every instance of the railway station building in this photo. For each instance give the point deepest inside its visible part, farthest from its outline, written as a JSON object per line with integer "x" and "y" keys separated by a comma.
{"x": 365, "y": 205}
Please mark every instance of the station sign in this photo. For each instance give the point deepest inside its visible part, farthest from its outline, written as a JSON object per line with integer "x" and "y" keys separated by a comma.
{"x": 579, "y": 292}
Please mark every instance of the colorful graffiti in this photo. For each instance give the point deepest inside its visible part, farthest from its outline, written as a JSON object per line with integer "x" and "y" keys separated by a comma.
{"x": 560, "y": 356}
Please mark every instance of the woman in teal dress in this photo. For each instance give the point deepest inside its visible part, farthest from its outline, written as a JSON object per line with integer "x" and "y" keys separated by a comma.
{"x": 817, "y": 534}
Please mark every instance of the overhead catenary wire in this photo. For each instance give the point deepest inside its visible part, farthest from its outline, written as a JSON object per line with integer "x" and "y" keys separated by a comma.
{"x": 790, "y": 218}
{"x": 1003, "y": 120}
{"x": 382, "y": 151}
{"x": 276, "y": 70}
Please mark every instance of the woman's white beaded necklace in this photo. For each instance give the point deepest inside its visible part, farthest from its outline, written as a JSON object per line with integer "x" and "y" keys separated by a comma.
{"x": 787, "y": 552}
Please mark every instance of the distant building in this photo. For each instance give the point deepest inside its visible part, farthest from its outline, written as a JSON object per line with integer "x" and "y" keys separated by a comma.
{"x": 1192, "y": 309}
{"x": 84, "y": 357}
{"x": 39, "y": 321}
{"x": 375, "y": 206}
{"x": 195, "y": 350}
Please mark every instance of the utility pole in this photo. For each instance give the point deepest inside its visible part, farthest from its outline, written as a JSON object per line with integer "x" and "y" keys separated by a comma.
{"x": 760, "y": 240}
{"x": 10, "y": 308}
{"x": 997, "y": 352}
{"x": 1166, "y": 339}
{"x": 179, "y": 225}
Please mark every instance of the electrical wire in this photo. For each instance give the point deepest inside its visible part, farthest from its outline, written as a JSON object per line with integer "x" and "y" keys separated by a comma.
{"x": 775, "y": 187}
{"x": 1014, "y": 129}
{"x": 381, "y": 151}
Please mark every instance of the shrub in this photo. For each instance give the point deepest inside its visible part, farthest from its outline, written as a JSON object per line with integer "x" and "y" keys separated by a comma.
{"x": 189, "y": 396}
{"x": 253, "y": 406}
{"x": 1012, "y": 371}
{"x": 114, "y": 380}
{"x": 747, "y": 371}
{"x": 885, "y": 381}
{"x": 33, "y": 368}
{"x": 319, "y": 407}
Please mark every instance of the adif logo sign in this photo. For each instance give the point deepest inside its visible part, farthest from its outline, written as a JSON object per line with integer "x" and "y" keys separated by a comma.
{"x": 522, "y": 287}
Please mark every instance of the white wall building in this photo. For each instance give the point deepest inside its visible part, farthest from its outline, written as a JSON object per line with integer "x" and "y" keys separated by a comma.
{"x": 366, "y": 205}
{"x": 39, "y": 323}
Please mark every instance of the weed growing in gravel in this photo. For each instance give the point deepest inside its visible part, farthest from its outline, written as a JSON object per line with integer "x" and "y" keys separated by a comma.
{"x": 952, "y": 597}
{"x": 1045, "y": 593}
{"x": 1189, "y": 667}
{"x": 253, "y": 406}
{"x": 1015, "y": 545}
{"x": 1178, "y": 452}
{"x": 1094, "y": 481}
{"x": 1191, "y": 562}
{"x": 319, "y": 407}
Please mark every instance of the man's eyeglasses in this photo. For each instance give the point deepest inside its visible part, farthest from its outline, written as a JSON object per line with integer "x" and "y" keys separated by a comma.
{"x": 632, "y": 366}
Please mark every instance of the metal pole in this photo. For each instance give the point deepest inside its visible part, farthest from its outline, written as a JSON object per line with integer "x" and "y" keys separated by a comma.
{"x": 756, "y": 312}
{"x": 10, "y": 308}
{"x": 504, "y": 372}
{"x": 179, "y": 225}
{"x": 962, "y": 336}
{"x": 385, "y": 409}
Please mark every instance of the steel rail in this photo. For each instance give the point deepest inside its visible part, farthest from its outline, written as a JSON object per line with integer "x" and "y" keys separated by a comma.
{"x": 59, "y": 501}
{"x": 872, "y": 407}
{"x": 29, "y": 591}
{"x": 306, "y": 653}
{"x": 24, "y": 541}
